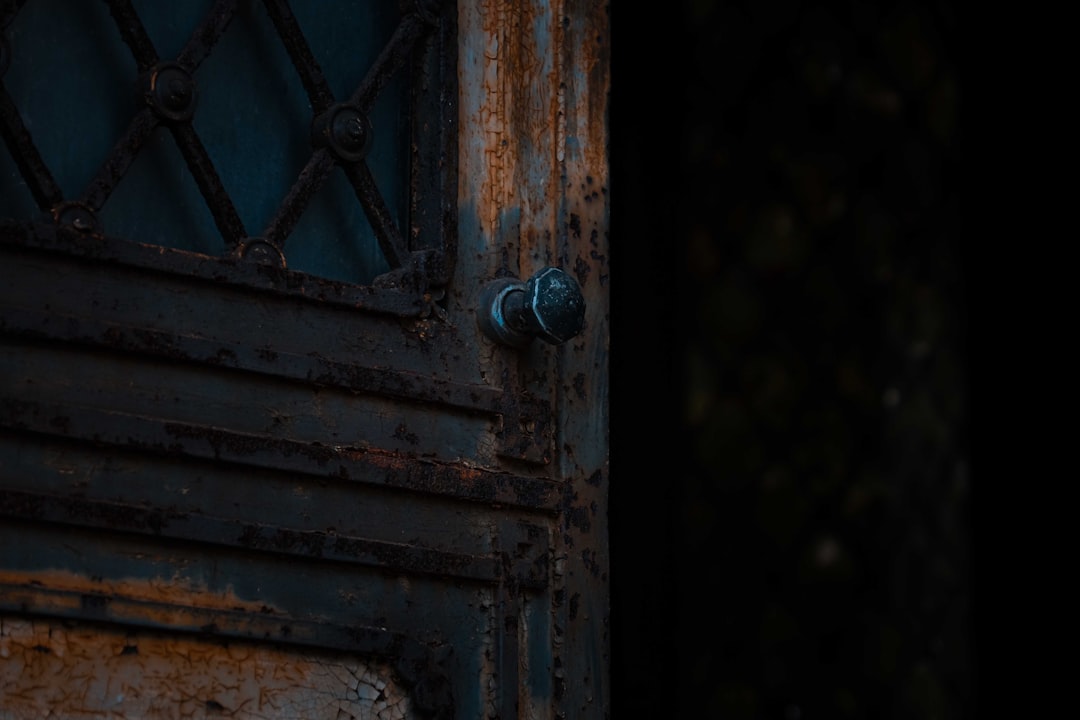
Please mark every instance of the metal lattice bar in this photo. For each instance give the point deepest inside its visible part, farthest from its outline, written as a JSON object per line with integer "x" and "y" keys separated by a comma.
{"x": 208, "y": 33}
{"x": 169, "y": 90}
{"x": 206, "y": 177}
{"x": 8, "y": 10}
{"x": 27, "y": 158}
{"x": 119, "y": 159}
{"x": 382, "y": 222}
{"x": 133, "y": 33}
{"x": 390, "y": 60}
{"x": 126, "y": 149}
{"x": 303, "y": 59}
{"x": 198, "y": 160}
{"x": 32, "y": 167}
{"x": 142, "y": 126}
{"x": 311, "y": 178}
{"x": 393, "y": 57}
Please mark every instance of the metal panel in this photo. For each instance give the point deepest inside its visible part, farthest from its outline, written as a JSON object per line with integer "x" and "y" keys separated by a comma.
{"x": 203, "y": 453}
{"x": 151, "y": 674}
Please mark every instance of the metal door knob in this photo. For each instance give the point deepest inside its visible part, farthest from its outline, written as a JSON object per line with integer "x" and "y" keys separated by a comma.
{"x": 549, "y": 306}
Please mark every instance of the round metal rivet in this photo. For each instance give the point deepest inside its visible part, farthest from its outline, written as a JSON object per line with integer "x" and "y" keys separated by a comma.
{"x": 262, "y": 252}
{"x": 172, "y": 92}
{"x": 349, "y": 132}
{"x": 345, "y": 131}
{"x": 78, "y": 216}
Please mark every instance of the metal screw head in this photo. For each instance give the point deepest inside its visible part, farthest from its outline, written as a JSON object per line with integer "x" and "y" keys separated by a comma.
{"x": 345, "y": 130}
{"x": 172, "y": 92}
{"x": 179, "y": 94}
{"x": 78, "y": 216}
{"x": 261, "y": 252}
{"x": 349, "y": 131}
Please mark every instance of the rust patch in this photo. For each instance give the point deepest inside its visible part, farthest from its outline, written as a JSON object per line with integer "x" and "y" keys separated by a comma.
{"x": 173, "y": 591}
{"x": 582, "y": 269}
{"x": 588, "y": 559}
{"x": 56, "y": 669}
{"x": 460, "y": 480}
{"x": 579, "y": 385}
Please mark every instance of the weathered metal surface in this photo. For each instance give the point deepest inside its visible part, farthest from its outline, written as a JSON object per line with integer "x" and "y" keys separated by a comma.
{"x": 211, "y": 451}
{"x": 426, "y": 626}
{"x": 92, "y": 672}
{"x": 534, "y": 82}
{"x": 582, "y": 379}
{"x": 212, "y": 306}
{"x": 170, "y": 90}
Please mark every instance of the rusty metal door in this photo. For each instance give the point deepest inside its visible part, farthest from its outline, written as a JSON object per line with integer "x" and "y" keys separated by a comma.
{"x": 303, "y": 359}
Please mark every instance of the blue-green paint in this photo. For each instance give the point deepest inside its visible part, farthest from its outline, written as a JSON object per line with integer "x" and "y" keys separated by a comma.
{"x": 74, "y": 82}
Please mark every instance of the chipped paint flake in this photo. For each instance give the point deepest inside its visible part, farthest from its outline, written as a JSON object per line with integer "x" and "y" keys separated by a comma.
{"x": 53, "y": 669}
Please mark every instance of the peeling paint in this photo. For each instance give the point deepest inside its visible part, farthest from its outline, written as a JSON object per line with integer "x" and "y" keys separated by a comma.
{"x": 366, "y": 440}
{"x": 54, "y": 669}
{"x": 177, "y": 588}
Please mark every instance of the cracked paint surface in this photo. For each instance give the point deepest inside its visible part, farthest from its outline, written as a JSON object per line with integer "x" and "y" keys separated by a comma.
{"x": 57, "y": 669}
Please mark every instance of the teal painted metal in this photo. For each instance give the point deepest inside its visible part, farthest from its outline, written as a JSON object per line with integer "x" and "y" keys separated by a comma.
{"x": 74, "y": 82}
{"x": 332, "y": 454}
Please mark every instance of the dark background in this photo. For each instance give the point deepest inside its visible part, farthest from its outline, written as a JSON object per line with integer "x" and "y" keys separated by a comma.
{"x": 792, "y": 525}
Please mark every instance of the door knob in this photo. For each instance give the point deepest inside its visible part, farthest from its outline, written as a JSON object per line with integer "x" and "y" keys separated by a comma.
{"x": 549, "y": 305}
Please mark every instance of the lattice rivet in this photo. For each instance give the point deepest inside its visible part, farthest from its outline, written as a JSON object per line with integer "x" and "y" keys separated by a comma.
{"x": 172, "y": 92}
{"x": 349, "y": 131}
{"x": 78, "y": 216}
{"x": 261, "y": 252}
{"x": 345, "y": 130}
{"x": 178, "y": 95}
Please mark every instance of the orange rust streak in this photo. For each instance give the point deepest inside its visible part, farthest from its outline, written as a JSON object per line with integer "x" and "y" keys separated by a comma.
{"x": 54, "y": 669}
{"x": 167, "y": 591}
{"x": 393, "y": 461}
